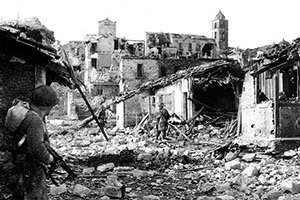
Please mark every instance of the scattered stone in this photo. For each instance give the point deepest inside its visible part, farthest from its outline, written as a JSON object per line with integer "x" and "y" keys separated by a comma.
{"x": 289, "y": 154}
{"x": 114, "y": 188}
{"x": 55, "y": 190}
{"x": 251, "y": 170}
{"x": 81, "y": 190}
{"x": 225, "y": 197}
{"x": 139, "y": 173}
{"x": 123, "y": 169}
{"x": 223, "y": 187}
{"x": 178, "y": 167}
{"x": 231, "y": 156}
{"x": 272, "y": 195}
{"x": 105, "y": 198}
{"x": 290, "y": 185}
{"x": 114, "y": 192}
{"x": 144, "y": 156}
{"x": 263, "y": 180}
{"x": 205, "y": 198}
{"x": 88, "y": 170}
{"x": 249, "y": 157}
{"x": 106, "y": 167}
{"x": 151, "y": 197}
{"x": 234, "y": 164}
{"x": 181, "y": 188}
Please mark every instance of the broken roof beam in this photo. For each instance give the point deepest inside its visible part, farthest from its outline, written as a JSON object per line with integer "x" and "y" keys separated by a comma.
{"x": 277, "y": 66}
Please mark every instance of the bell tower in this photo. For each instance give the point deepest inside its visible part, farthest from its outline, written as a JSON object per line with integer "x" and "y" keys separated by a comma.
{"x": 220, "y": 31}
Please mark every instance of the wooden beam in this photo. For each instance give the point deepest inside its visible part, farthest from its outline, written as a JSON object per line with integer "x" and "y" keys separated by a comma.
{"x": 276, "y": 103}
{"x": 298, "y": 80}
{"x": 180, "y": 132}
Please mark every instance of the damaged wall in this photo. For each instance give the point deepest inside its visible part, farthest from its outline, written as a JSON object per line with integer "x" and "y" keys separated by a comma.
{"x": 289, "y": 125}
{"x": 175, "y": 98}
{"x": 75, "y": 51}
{"x": 187, "y": 45}
{"x": 171, "y": 66}
{"x": 16, "y": 80}
{"x": 257, "y": 120}
{"x": 134, "y": 72}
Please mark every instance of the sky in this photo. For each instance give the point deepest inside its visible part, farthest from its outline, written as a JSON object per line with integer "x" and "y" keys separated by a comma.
{"x": 252, "y": 23}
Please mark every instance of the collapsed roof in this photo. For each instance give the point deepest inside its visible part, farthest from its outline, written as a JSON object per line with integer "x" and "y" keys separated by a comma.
{"x": 29, "y": 42}
{"x": 220, "y": 71}
{"x": 278, "y": 56}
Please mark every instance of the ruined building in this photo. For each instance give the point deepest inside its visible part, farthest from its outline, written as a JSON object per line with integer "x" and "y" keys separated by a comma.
{"x": 27, "y": 60}
{"x": 166, "y": 45}
{"x": 113, "y": 66}
{"x": 171, "y": 45}
{"x": 269, "y": 105}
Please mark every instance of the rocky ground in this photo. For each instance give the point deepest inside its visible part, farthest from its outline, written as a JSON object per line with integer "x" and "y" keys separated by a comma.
{"x": 133, "y": 165}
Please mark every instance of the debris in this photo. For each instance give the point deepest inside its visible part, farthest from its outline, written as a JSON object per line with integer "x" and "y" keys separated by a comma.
{"x": 225, "y": 197}
{"x": 81, "y": 190}
{"x": 290, "y": 185}
{"x": 249, "y": 157}
{"x": 251, "y": 170}
{"x": 88, "y": 170}
{"x": 106, "y": 167}
{"x": 151, "y": 197}
{"x": 114, "y": 188}
{"x": 56, "y": 190}
{"x": 144, "y": 156}
{"x": 234, "y": 164}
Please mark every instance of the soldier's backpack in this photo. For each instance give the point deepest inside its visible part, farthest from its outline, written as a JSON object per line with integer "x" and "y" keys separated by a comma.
{"x": 15, "y": 115}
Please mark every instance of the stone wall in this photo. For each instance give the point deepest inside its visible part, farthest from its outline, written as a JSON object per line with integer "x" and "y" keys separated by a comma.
{"x": 170, "y": 66}
{"x": 150, "y": 71}
{"x": 16, "y": 80}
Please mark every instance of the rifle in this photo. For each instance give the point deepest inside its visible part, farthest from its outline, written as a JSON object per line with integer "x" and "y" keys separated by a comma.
{"x": 58, "y": 161}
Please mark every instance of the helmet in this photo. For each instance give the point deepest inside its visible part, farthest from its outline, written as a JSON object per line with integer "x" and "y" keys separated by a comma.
{"x": 44, "y": 96}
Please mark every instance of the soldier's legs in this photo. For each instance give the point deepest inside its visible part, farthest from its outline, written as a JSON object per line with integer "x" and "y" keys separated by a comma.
{"x": 37, "y": 190}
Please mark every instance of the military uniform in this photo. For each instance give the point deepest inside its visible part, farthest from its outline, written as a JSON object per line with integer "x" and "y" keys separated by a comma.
{"x": 30, "y": 158}
{"x": 162, "y": 121}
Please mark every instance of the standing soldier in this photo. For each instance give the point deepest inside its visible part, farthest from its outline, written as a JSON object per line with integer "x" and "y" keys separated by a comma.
{"x": 30, "y": 135}
{"x": 102, "y": 114}
{"x": 162, "y": 122}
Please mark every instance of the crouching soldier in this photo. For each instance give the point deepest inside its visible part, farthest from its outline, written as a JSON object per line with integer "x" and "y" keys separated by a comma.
{"x": 27, "y": 124}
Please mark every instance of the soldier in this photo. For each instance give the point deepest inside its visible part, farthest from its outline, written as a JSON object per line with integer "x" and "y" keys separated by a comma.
{"x": 102, "y": 114}
{"x": 31, "y": 156}
{"x": 162, "y": 122}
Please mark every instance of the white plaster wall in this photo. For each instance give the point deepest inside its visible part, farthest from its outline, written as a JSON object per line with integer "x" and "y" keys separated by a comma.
{"x": 173, "y": 96}
{"x": 248, "y": 97}
{"x": 257, "y": 124}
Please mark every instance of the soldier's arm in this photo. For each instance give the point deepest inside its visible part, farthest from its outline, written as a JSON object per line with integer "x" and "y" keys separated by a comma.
{"x": 35, "y": 139}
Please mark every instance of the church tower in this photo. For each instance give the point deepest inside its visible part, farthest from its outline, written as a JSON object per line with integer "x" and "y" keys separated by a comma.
{"x": 220, "y": 31}
{"x": 107, "y": 27}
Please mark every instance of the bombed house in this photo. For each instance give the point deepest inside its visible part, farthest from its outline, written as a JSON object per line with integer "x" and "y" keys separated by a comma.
{"x": 112, "y": 66}
{"x": 27, "y": 60}
{"x": 215, "y": 85}
{"x": 174, "y": 45}
{"x": 166, "y": 45}
{"x": 269, "y": 106}
{"x": 99, "y": 56}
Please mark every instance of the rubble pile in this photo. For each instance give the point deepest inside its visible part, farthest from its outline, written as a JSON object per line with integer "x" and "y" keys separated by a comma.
{"x": 203, "y": 168}
{"x": 31, "y": 29}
